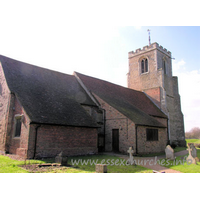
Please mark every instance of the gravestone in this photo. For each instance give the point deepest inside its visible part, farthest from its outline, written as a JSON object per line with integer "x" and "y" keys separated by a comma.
{"x": 193, "y": 150}
{"x": 60, "y": 159}
{"x": 131, "y": 159}
{"x": 101, "y": 168}
{"x": 169, "y": 152}
{"x": 191, "y": 160}
{"x": 192, "y": 157}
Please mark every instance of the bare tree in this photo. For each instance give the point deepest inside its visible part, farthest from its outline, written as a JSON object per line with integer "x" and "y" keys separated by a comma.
{"x": 194, "y": 133}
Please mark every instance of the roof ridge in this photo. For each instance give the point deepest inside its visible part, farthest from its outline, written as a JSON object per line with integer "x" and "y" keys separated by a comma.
{"x": 33, "y": 65}
{"x": 109, "y": 82}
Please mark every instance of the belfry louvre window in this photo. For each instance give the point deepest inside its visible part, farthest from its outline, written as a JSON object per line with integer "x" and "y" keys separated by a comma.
{"x": 144, "y": 65}
{"x": 152, "y": 134}
{"x": 164, "y": 67}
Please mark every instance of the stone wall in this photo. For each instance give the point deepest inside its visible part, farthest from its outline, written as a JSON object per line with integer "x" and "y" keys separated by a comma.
{"x": 51, "y": 140}
{"x": 178, "y": 115}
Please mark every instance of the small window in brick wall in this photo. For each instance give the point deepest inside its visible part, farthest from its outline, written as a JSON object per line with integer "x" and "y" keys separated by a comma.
{"x": 18, "y": 123}
{"x": 152, "y": 134}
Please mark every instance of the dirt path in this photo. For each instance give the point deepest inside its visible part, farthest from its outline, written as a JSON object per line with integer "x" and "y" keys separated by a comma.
{"x": 151, "y": 162}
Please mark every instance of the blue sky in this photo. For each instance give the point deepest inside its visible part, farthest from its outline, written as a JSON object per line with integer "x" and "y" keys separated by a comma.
{"x": 95, "y": 38}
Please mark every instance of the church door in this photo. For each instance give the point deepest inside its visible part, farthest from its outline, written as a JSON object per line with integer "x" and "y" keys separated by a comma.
{"x": 115, "y": 140}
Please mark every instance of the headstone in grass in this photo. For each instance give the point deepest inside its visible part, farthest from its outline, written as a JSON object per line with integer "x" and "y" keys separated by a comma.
{"x": 169, "y": 152}
{"x": 192, "y": 158}
{"x": 192, "y": 150}
{"x": 131, "y": 159}
{"x": 101, "y": 168}
{"x": 61, "y": 159}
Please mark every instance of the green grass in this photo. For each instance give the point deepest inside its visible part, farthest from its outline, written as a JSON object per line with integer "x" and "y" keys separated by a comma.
{"x": 181, "y": 166}
{"x": 193, "y": 140}
{"x": 7, "y": 165}
{"x": 177, "y": 149}
{"x": 114, "y": 164}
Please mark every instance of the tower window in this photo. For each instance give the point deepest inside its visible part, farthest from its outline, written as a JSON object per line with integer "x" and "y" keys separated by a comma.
{"x": 144, "y": 65}
{"x": 164, "y": 67}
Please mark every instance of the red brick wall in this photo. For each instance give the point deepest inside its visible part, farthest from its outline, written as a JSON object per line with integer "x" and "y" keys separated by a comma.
{"x": 9, "y": 107}
{"x": 145, "y": 147}
{"x": 4, "y": 107}
{"x": 51, "y": 140}
{"x": 116, "y": 120}
{"x": 19, "y": 145}
{"x": 154, "y": 94}
{"x": 127, "y": 137}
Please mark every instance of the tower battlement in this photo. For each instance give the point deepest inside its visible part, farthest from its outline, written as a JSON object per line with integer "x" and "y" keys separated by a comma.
{"x": 153, "y": 46}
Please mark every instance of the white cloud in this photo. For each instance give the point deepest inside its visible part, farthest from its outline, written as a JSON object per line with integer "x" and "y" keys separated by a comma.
{"x": 137, "y": 27}
{"x": 189, "y": 84}
{"x": 177, "y": 65}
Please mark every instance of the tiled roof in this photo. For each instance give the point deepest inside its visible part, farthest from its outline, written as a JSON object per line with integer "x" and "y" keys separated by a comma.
{"x": 133, "y": 104}
{"x": 48, "y": 97}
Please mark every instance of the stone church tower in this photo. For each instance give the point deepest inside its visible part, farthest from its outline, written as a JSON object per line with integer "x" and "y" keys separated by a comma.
{"x": 150, "y": 71}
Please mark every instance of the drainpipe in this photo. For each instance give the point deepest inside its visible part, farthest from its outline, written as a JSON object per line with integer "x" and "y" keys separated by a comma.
{"x": 36, "y": 133}
{"x": 136, "y": 148}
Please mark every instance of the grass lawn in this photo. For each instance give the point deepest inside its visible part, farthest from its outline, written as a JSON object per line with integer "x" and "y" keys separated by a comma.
{"x": 177, "y": 149}
{"x": 193, "y": 140}
{"x": 7, "y": 165}
{"x": 114, "y": 164}
{"x": 181, "y": 165}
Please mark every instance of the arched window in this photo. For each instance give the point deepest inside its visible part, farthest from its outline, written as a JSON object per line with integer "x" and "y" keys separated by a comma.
{"x": 144, "y": 65}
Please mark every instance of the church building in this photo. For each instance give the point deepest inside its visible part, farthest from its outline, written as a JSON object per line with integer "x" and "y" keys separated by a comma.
{"x": 44, "y": 112}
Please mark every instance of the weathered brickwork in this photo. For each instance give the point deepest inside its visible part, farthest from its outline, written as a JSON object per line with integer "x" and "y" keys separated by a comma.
{"x": 116, "y": 120}
{"x": 10, "y": 107}
{"x": 159, "y": 84}
{"x": 155, "y": 95}
{"x": 145, "y": 147}
{"x": 4, "y": 107}
{"x": 51, "y": 140}
{"x": 19, "y": 145}
{"x": 127, "y": 132}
